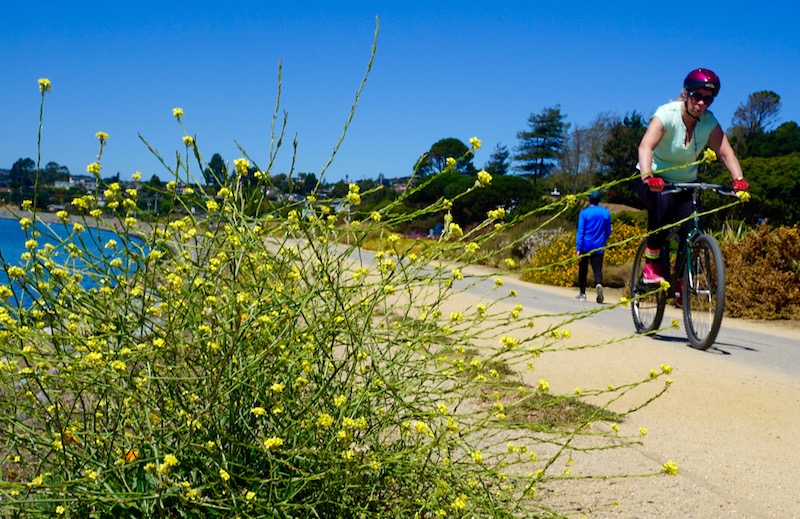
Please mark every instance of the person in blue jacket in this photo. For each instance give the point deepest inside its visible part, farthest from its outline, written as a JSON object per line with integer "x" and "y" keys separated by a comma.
{"x": 594, "y": 228}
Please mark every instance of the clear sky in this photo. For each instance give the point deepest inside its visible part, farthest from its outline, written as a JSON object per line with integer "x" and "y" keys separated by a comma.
{"x": 443, "y": 69}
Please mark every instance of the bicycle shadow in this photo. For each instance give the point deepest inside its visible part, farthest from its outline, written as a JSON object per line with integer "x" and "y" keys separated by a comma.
{"x": 718, "y": 348}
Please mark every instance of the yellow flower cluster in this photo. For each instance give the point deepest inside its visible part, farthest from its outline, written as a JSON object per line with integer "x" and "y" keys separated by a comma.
{"x": 94, "y": 169}
{"x": 242, "y": 167}
{"x": 670, "y": 468}
{"x": 44, "y": 85}
{"x": 484, "y": 178}
{"x": 497, "y": 214}
{"x": 353, "y": 194}
{"x": 169, "y": 461}
{"x": 273, "y": 443}
{"x": 709, "y": 156}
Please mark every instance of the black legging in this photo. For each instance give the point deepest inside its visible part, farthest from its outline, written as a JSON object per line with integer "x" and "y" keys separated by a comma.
{"x": 662, "y": 209}
{"x": 583, "y": 270}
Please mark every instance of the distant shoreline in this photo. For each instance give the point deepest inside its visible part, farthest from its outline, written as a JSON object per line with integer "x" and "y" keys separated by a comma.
{"x": 7, "y": 212}
{"x": 105, "y": 223}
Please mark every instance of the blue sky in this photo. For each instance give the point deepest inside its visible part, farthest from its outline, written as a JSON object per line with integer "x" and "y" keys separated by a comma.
{"x": 442, "y": 69}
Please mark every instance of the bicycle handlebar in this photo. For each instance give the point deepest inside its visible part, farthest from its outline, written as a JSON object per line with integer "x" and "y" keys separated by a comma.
{"x": 675, "y": 187}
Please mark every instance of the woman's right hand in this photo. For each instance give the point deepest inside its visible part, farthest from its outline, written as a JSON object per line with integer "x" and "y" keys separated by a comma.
{"x": 655, "y": 184}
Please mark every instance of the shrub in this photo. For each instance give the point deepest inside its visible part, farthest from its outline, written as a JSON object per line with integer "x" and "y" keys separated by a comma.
{"x": 257, "y": 365}
{"x": 633, "y": 218}
{"x": 556, "y": 263}
{"x": 763, "y": 274}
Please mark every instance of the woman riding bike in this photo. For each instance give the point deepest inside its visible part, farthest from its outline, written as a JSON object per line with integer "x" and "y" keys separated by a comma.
{"x": 678, "y": 132}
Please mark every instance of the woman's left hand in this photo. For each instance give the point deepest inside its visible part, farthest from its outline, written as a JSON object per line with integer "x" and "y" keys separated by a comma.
{"x": 740, "y": 185}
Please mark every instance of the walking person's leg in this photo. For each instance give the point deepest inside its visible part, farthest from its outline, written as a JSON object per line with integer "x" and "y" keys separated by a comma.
{"x": 597, "y": 270}
{"x": 583, "y": 274}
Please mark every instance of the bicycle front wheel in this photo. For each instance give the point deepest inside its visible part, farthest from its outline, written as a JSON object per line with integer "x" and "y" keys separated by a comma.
{"x": 647, "y": 304}
{"x": 703, "y": 291}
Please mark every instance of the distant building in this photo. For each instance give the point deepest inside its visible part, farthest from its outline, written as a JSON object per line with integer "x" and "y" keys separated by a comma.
{"x": 87, "y": 182}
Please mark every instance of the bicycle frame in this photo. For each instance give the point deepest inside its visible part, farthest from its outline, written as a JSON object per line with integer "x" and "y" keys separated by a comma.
{"x": 684, "y": 249}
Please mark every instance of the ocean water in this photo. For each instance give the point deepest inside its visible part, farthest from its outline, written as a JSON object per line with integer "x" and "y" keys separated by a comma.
{"x": 12, "y": 247}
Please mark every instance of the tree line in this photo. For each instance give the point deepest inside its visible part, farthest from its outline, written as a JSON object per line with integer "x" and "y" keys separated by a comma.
{"x": 552, "y": 155}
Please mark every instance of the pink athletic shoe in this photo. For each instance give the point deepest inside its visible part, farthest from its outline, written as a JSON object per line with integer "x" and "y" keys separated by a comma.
{"x": 651, "y": 273}
{"x": 679, "y": 293}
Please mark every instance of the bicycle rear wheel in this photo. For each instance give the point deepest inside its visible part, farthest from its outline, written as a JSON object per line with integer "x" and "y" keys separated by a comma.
{"x": 647, "y": 306}
{"x": 703, "y": 292}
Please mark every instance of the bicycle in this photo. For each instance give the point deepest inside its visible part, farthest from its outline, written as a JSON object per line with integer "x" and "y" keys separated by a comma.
{"x": 696, "y": 263}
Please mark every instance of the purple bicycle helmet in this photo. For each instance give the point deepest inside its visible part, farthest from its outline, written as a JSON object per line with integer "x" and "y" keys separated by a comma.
{"x": 702, "y": 78}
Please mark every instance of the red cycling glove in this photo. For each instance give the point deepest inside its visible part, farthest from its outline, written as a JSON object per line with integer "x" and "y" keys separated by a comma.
{"x": 740, "y": 185}
{"x": 654, "y": 183}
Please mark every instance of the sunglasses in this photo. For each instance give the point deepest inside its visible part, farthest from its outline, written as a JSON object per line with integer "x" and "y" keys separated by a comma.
{"x": 697, "y": 96}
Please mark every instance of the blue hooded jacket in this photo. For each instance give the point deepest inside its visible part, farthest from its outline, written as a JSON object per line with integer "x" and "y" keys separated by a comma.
{"x": 594, "y": 228}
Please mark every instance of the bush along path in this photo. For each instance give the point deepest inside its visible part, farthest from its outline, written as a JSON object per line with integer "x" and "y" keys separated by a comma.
{"x": 240, "y": 364}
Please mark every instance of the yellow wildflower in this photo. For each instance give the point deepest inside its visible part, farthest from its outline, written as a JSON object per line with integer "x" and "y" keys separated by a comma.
{"x": 94, "y": 169}
{"x": 44, "y": 85}
{"x": 670, "y": 468}
{"x": 273, "y": 443}
{"x": 177, "y": 113}
{"x": 709, "y": 156}
{"x": 324, "y": 420}
{"x": 497, "y": 214}
{"x": 242, "y": 166}
{"x": 101, "y": 136}
{"x": 484, "y": 178}
{"x": 460, "y": 503}
{"x": 476, "y": 456}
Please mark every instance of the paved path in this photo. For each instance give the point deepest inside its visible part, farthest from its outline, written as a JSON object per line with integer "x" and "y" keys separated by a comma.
{"x": 730, "y": 421}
